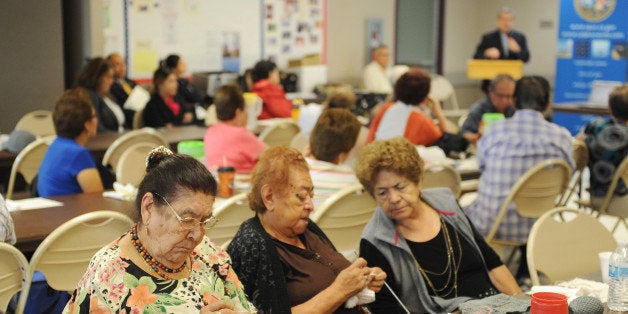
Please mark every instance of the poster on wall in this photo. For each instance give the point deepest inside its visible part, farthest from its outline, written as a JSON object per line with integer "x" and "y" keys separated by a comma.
{"x": 147, "y": 31}
{"x": 293, "y": 29}
{"x": 231, "y": 51}
{"x": 591, "y": 46}
{"x": 374, "y": 36}
{"x": 113, "y": 30}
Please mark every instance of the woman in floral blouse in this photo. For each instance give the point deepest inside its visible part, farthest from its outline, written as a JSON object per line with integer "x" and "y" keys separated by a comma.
{"x": 165, "y": 263}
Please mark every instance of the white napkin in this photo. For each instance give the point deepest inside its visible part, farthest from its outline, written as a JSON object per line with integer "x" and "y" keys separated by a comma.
{"x": 575, "y": 288}
{"x": 31, "y": 203}
{"x": 122, "y": 192}
{"x": 433, "y": 155}
{"x": 363, "y": 297}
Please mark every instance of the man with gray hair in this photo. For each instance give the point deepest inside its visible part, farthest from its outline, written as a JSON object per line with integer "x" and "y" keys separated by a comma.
{"x": 498, "y": 100}
{"x": 504, "y": 42}
{"x": 377, "y": 74}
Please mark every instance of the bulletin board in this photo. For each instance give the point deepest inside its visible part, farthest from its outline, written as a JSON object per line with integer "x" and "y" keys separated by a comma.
{"x": 212, "y": 35}
{"x": 208, "y": 35}
{"x": 293, "y": 29}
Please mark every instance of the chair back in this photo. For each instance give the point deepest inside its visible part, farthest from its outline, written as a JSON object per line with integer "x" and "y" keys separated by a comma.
{"x": 65, "y": 254}
{"x": 621, "y": 173}
{"x": 443, "y": 90}
{"x": 13, "y": 274}
{"x": 211, "y": 117}
{"x": 138, "y": 119}
{"x": 581, "y": 159}
{"x": 280, "y": 133}
{"x": 120, "y": 145}
{"x": 343, "y": 217}
{"x": 442, "y": 176}
{"x": 131, "y": 166}
{"x": 28, "y": 161}
{"x": 462, "y": 119}
{"x": 299, "y": 141}
{"x": 38, "y": 123}
{"x": 231, "y": 213}
{"x": 536, "y": 192}
{"x": 562, "y": 250}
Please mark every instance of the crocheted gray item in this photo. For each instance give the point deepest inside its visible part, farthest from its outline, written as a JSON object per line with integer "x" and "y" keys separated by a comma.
{"x": 499, "y": 303}
{"x": 586, "y": 305}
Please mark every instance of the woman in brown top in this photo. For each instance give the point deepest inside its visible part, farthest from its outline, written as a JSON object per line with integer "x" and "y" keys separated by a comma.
{"x": 285, "y": 262}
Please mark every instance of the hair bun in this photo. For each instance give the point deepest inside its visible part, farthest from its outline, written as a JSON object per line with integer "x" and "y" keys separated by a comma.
{"x": 156, "y": 155}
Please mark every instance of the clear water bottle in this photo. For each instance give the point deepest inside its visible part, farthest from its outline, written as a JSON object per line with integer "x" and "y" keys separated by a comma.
{"x": 618, "y": 278}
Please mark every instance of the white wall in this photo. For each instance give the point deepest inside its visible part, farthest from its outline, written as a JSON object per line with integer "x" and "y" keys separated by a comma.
{"x": 346, "y": 36}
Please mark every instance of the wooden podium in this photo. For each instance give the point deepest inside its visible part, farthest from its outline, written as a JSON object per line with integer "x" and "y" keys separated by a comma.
{"x": 482, "y": 69}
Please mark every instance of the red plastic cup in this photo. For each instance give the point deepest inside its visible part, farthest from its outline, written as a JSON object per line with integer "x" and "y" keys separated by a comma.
{"x": 549, "y": 303}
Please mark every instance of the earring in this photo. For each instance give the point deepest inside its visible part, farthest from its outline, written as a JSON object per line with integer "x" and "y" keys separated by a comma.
{"x": 146, "y": 224}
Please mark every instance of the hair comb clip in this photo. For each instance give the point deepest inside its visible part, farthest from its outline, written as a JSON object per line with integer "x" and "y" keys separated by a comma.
{"x": 160, "y": 150}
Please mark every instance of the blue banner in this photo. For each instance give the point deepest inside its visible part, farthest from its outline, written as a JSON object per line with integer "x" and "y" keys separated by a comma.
{"x": 592, "y": 45}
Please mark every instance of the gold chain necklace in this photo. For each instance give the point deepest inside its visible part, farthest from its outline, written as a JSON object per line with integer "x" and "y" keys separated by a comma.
{"x": 451, "y": 269}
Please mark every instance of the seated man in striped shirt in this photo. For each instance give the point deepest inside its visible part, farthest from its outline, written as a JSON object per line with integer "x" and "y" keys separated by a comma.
{"x": 506, "y": 151}
{"x": 332, "y": 138}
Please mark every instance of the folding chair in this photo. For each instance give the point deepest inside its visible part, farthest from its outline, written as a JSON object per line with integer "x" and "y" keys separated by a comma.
{"x": 343, "y": 216}
{"x": 131, "y": 166}
{"x": 299, "y": 142}
{"x": 138, "y": 119}
{"x": 562, "y": 250}
{"x": 581, "y": 158}
{"x": 120, "y": 145}
{"x": 38, "y": 123}
{"x": 28, "y": 161}
{"x": 14, "y": 274}
{"x": 65, "y": 254}
{"x": 536, "y": 192}
{"x": 612, "y": 204}
{"x": 280, "y": 133}
{"x": 442, "y": 176}
{"x": 231, "y": 214}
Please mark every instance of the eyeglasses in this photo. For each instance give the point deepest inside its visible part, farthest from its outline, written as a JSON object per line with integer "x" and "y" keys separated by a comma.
{"x": 303, "y": 195}
{"x": 191, "y": 223}
{"x": 499, "y": 95}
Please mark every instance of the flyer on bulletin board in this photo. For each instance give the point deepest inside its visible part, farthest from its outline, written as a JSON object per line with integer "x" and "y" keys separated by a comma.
{"x": 591, "y": 46}
{"x": 293, "y": 29}
{"x": 231, "y": 51}
{"x": 374, "y": 36}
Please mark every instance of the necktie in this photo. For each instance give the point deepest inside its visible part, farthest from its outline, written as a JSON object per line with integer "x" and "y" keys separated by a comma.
{"x": 127, "y": 88}
{"x": 504, "y": 43}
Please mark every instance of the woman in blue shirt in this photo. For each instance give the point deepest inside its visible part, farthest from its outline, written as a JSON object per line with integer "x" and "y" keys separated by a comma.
{"x": 68, "y": 167}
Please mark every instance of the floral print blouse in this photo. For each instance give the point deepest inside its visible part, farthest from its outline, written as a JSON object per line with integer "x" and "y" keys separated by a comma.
{"x": 114, "y": 284}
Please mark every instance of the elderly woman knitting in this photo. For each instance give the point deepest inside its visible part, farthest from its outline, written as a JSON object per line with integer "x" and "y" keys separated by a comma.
{"x": 165, "y": 263}
{"x": 286, "y": 263}
{"x": 433, "y": 255}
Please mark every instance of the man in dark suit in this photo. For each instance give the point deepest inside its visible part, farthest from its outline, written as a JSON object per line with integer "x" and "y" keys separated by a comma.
{"x": 503, "y": 43}
{"x": 121, "y": 87}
